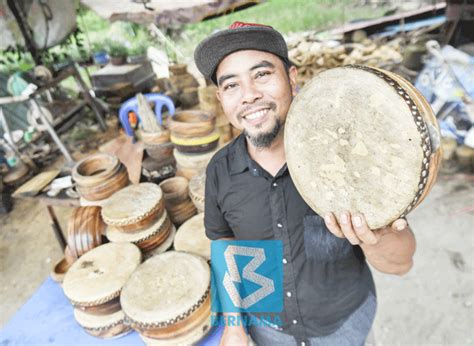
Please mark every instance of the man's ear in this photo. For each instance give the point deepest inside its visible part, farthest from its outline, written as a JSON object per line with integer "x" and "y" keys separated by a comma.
{"x": 292, "y": 73}
{"x": 218, "y": 95}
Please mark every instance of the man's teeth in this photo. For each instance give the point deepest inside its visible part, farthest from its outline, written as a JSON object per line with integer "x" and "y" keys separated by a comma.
{"x": 256, "y": 115}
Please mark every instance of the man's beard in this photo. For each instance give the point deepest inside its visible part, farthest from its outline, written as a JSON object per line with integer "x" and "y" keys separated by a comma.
{"x": 265, "y": 140}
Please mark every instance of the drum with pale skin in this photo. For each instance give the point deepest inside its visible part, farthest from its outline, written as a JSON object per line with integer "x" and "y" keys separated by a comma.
{"x": 134, "y": 207}
{"x": 191, "y": 237}
{"x": 167, "y": 299}
{"x": 361, "y": 139}
{"x": 94, "y": 282}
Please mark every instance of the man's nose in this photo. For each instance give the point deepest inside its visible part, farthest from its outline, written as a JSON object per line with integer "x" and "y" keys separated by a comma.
{"x": 250, "y": 93}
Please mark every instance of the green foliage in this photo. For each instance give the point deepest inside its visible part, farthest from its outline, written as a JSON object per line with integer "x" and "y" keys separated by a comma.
{"x": 286, "y": 17}
{"x": 138, "y": 48}
{"x": 15, "y": 61}
{"x": 98, "y": 46}
{"x": 115, "y": 48}
{"x": 140, "y": 41}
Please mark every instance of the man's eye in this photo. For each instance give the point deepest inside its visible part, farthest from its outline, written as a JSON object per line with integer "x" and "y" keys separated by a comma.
{"x": 230, "y": 86}
{"x": 262, "y": 74}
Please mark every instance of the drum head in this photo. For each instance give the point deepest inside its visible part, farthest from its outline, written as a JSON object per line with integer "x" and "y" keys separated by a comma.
{"x": 191, "y": 237}
{"x": 166, "y": 287}
{"x": 99, "y": 275}
{"x": 132, "y": 204}
{"x": 353, "y": 142}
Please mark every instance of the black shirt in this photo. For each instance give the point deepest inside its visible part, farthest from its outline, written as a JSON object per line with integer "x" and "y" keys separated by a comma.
{"x": 325, "y": 278}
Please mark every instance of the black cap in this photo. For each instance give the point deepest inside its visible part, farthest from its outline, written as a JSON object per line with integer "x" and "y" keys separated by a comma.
{"x": 239, "y": 36}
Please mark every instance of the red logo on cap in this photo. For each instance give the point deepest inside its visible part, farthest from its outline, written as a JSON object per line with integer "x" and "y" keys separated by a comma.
{"x": 236, "y": 25}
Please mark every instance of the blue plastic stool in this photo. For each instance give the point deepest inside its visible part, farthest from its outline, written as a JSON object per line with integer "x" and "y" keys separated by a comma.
{"x": 131, "y": 105}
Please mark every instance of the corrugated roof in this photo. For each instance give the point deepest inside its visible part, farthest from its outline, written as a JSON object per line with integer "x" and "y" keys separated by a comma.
{"x": 164, "y": 12}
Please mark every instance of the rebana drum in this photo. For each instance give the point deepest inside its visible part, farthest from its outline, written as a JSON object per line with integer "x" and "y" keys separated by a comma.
{"x": 364, "y": 140}
{"x": 167, "y": 299}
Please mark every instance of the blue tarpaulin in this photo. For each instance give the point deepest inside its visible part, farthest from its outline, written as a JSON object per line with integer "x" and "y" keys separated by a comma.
{"x": 47, "y": 319}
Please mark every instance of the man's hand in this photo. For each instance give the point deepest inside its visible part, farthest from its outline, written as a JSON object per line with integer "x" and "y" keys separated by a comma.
{"x": 389, "y": 249}
{"x": 234, "y": 335}
{"x": 355, "y": 228}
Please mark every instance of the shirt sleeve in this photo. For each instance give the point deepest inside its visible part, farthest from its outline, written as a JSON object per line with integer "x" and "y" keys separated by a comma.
{"x": 214, "y": 222}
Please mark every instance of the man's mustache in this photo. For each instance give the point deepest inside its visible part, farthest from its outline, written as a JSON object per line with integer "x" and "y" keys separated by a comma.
{"x": 248, "y": 109}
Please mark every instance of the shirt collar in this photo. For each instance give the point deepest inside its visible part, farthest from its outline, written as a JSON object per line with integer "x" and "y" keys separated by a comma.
{"x": 239, "y": 159}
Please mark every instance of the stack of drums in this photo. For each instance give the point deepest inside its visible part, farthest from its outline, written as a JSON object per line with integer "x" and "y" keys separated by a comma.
{"x": 189, "y": 166}
{"x": 197, "y": 186}
{"x": 195, "y": 137}
{"x": 191, "y": 238}
{"x": 99, "y": 176}
{"x": 179, "y": 205}
{"x": 137, "y": 215}
{"x": 93, "y": 285}
{"x": 185, "y": 84}
{"x": 167, "y": 299}
{"x": 193, "y": 131}
{"x": 208, "y": 102}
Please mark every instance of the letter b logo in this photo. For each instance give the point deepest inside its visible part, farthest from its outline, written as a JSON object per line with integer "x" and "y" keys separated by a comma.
{"x": 247, "y": 276}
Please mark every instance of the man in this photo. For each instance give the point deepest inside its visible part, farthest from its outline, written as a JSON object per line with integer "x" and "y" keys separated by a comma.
{"x": 329, "y": 295}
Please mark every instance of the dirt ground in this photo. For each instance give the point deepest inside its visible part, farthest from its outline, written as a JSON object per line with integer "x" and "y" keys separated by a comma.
{"x": 430, "y": 305}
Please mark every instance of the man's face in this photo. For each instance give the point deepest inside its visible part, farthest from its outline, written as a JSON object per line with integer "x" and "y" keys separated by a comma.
{"x": 255, "y": 91}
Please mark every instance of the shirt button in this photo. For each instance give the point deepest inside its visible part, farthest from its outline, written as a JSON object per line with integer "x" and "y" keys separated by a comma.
{"x": 275, "y": 184}
{"x": 284, "y": 261}
{"x": 303, "y": 343}
{"x": 288, "y": 294}
{"x": 279, "y": 225}
{"x": 295, "y": 321}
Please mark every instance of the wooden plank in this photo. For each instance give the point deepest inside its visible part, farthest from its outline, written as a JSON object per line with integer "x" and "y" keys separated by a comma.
{"x": 34, "y": 186}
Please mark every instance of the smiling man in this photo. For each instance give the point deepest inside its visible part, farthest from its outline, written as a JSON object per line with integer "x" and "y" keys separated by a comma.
{"x": 329, "y": 294}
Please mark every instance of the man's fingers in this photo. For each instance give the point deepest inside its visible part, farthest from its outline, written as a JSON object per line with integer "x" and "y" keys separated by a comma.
{"x": 399, "y": 225}
{"x": 365, "y": 234}
{"x": 346, "y": 228}
{"x": 332, "y": 225}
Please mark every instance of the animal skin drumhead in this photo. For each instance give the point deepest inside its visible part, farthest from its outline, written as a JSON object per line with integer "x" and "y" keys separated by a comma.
{"x": 353, "y": 142}
{"x": 132, "y": 204}
{"x": 99, "y": 275}
{"x": 191, "y": 237}
{"x": 165, "y": 287}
